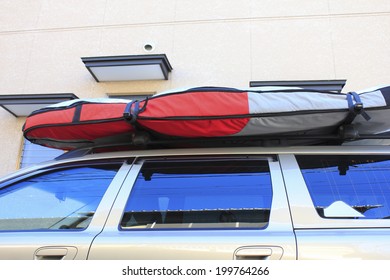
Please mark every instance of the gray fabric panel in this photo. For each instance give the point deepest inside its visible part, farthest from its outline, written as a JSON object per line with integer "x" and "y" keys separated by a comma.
{"x": 279, "y": 102}
{"x": 379, "y": 122}
{"x": 285, "y": 124}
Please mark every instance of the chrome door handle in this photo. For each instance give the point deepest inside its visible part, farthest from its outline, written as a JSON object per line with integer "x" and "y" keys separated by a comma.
{"x": 55, "y": 253}
{"x": 258, "y": 253}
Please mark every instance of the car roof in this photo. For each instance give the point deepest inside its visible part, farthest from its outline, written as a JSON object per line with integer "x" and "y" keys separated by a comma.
{"x": 74, "y": 157}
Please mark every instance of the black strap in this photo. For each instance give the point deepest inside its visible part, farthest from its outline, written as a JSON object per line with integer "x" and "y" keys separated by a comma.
{"x": 131, "y": 114}
{"x": 77, "y": 113}
{"x": 355, "y": 106}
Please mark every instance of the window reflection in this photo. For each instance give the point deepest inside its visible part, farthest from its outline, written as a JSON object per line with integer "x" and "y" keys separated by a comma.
{"x": 61, "y": 199}
{"x": 200, "y": 194}
{"x": 361, "y": 183}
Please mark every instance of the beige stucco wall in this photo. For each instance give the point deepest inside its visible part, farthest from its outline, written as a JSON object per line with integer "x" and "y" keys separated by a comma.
{"x": 208, "y": 42}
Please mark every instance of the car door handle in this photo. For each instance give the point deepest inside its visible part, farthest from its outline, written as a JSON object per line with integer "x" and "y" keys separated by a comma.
{"x": 55, "y": 253}
{"x": 258, "y": 253}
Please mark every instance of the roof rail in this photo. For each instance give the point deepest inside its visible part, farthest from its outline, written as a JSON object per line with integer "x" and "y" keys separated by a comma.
{"x": 75, "y": 153}
{"x": 145, "y": 141}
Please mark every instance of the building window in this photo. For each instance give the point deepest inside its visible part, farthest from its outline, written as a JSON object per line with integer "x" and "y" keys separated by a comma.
{"x": 128, "y": 67}
{"x": 321, "y": 85}
{"x": 131, "y": 96}
{"x": 32, "y": 154}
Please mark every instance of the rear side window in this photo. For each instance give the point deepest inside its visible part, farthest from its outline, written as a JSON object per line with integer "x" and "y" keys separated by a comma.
{"x": 355, "y": 187}
{"x": 188, "y": 194}
{"x": 59, "y": 199}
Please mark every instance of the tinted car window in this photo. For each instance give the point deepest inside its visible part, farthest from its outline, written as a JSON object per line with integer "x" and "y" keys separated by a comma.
{"x": 60, "y": 199}
{"x": 200, "y": 194}
{"x": 348, "y": 186}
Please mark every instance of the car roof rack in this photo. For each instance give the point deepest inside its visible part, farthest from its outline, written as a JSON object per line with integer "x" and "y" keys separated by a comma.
{"x": 144, "y": 140}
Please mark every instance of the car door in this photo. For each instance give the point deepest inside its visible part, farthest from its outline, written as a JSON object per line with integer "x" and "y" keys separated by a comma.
{"x": 56, "y": 212}
{"x": 340, "y": 203}
{"x": 199, "y": 208}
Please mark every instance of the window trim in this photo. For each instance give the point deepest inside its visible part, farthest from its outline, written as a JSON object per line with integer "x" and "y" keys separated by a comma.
{"x": 321, "y": 85}
{"x": 279, "y": 220}
{"x": 37, "y": 99}
{"x": 131, "y": 96}
{"x": 200, "y": 159}
{"x": 101, "y": 62}
{"x": 36, "y": 170}
{"x": 141, "y": 160}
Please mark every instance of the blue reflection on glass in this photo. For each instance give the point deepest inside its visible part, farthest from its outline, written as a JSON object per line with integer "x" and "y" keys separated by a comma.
{"x": 172, "y": 188}
{"x": 362, "y": 182}
{"x": 54, "y": 196}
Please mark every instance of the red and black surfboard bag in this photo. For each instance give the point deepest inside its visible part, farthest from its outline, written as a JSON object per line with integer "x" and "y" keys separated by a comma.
{"x": 78, "y": 123}
{"x": 210, "y": 113}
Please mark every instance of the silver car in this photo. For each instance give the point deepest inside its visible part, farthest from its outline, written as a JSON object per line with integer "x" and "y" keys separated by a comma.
{"x": 206, "y": 203}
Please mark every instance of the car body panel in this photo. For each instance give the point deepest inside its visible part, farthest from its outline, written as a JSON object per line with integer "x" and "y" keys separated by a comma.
{"x": 295, "y": 230}
{"x": 326, "y": 238}
{"x": 368, "y": 243}
{"x": 61, "y": 244}
{"x": 278, "y": 237}
{"x": 302, "y": 208}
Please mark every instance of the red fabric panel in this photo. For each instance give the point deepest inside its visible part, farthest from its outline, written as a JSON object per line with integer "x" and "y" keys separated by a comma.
{"x": 81, "y": 131}
{"x": 102, "y": 111}
{"x": 197, "y": 128}
{"x": 197, "y": 104}
{"x": 52, "y": 117}
{"x": 57, "y": 124}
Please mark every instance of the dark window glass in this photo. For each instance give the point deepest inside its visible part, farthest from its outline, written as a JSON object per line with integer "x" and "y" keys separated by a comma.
{"x": 61, "y": 199}
{"x": 200, "y": 194}
{"x": 348, "y": 186}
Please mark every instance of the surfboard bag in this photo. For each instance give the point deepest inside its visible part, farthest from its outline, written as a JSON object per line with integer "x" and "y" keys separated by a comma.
{"x": 209, "y": 112}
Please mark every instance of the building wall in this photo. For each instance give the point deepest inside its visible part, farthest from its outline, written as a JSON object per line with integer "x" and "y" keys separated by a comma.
{"x": 208, "y": 42}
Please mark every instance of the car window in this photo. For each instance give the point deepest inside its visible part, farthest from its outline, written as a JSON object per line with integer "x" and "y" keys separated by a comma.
{"x": 200, "y": 194}
{"x": 61, "y": 199}
{"x": 355, "y": 187}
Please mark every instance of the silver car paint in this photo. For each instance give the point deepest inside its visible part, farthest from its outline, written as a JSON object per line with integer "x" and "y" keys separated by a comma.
{"x": 295, "y": 230}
